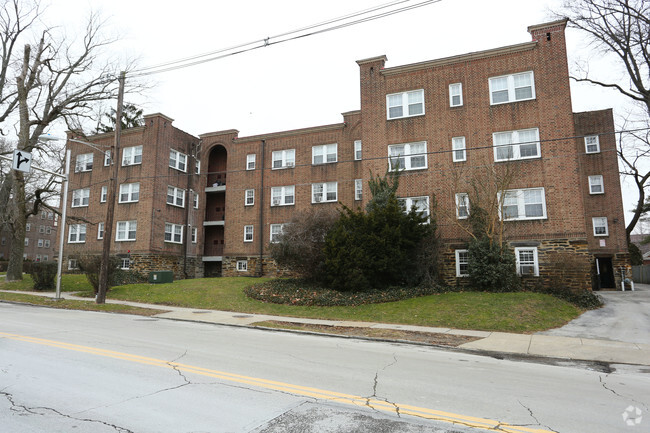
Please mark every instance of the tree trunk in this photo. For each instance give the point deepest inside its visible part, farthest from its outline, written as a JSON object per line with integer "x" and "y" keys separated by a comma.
{"x": 15, "y": 266}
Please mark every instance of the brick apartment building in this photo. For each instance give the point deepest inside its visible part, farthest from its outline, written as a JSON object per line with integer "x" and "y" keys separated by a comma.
{"x": 449, "y": 123}
{"x": 41, "y": 238}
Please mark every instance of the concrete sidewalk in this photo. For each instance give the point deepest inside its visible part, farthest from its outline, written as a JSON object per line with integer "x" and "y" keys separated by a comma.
{"x": 571, "y": 348}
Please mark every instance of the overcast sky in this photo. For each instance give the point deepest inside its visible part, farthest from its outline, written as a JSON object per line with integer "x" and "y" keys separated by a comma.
{"x": 309, "y": 81}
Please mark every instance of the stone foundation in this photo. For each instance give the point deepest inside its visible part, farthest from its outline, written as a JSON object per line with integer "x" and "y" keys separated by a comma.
{"x": 145, "y": 263}
{"x": 269, "y": 267}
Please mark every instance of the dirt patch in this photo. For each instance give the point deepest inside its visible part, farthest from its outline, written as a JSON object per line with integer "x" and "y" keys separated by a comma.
{"x": 390, "y": 334}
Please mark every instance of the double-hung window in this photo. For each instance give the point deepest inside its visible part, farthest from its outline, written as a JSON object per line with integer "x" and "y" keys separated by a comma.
{"x": 248, "y": 233}
{"x": 459, "y": 151}
{"x": 405, "y": 104}
{"x": 600, "y": 226}
{"x": 283, "y": 158}
{"x": 324, "y": 192}
{"x": 80, "y": 197}
{"x": 103, "y": 194}
{"x": 250, "y": 197}
{"x": 276, "y": 232}
{"x": 107, "y": 158}
{"x": 421, "y": 205}
{"x": 527, "y": 263}
{"x": 325, "y": 153}
{"x": 47, "y": 243}
{"x": 84, "y": 162}
{"x": 100, "y": 231}
{"x": 250, "y": 161}
{"x": 40, "y": 243}
{"x": 77, "y": 234}
{"x": 462, "y": 205}
{"x": 283, "y": 195}
{"x": 592, "y": 144}
{"x": 173, "y": 233}
{"x": 358, "y": 189}
{"x": 242, "y": 265}
{"x": 512, "y": 88}
{"x": 596, "y": 184}
{"x": 175, "y": 196}
{"x": 523, "y": 204}
{"x": 126, "y": 230}
{"x": 177, "y": 160}
{"x": 357, "y": 150}
{"x": 513, "y": 145}
{"x": 462, "y": 263}
{"x": 456, "y": 95}
{"x": 132, "y": 155}
{"x": 195, "y": 235}
{"x": 408, "y": 156}
{"x": 195, "y": 199}
{"x": 129, "y": 192}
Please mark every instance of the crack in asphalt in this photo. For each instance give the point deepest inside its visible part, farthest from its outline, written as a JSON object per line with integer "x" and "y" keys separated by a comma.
{"x": 374, "y": 390}
{"x": 604, "y": 384}
{"x": 21, "y": 409}
{"x": 532, "y": 415}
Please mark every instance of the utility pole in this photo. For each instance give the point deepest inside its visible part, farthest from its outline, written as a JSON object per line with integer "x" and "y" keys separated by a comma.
{"x": 112, "y": 192}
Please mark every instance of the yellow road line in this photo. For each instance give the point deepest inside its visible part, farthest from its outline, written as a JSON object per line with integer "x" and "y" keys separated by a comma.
{"x": 299, "y": 390}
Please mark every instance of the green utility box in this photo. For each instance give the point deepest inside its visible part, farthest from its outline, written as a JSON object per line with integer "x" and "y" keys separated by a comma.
{"x": 161, "y": 277}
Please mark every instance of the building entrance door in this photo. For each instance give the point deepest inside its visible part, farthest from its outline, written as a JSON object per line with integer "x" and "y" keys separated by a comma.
{"x": 605, "y": 273}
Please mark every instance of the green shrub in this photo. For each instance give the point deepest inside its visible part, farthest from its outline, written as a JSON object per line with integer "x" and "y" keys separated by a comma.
{"x": 44, "y": 275}
{"x": 121, "y": 277}
{"x": 491, "y": 266}
{"x": 91, "y": 266}
{"x": 636, "y": 256}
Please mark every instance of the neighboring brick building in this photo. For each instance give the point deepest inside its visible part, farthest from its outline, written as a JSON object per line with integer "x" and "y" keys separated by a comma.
{"x": 456, "y": 125}
{"x": 41, "y": 238}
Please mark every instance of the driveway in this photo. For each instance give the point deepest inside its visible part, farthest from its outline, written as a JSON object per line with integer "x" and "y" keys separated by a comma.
{"x": 625, "y": 317}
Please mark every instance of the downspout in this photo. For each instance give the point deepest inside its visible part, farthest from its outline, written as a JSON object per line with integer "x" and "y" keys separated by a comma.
{"x": 262, "y": 212}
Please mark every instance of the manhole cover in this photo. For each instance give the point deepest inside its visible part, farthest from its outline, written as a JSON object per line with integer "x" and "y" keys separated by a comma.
{"x": 241, "y": 316}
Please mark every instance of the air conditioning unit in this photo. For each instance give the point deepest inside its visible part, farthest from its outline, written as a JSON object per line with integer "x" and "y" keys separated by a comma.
{"x": 318, "y": 199}
{"x": 276, "y": 202}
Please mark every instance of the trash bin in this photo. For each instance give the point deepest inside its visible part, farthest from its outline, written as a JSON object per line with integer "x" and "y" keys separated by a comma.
{"x": 161, "y": 277}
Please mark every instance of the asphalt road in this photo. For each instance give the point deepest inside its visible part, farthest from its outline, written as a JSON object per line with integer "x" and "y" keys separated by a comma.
{"x": 72, "y": 371}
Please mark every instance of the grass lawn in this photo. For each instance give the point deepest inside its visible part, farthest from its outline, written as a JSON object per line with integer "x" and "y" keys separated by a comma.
{"x": 69, "y": 283}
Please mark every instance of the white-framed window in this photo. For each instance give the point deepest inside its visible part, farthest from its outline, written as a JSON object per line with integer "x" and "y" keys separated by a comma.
{"x": 48, "y": 230}
{"x": 38, "y": 257}
{"x": 592, "y": 144}
{"x": 405, "y": 104}
{"x": 407, "y": 156}
{"x": 40, "y": 243}
{"x": 357, "y": 150}
{"x": 596, "y": 185}
{"x": 275, "y": 231}
{"x": 77, "y": 234}
{"x": 45, "y": 257}
{"x": 324, "y": 153}
{"x": 41, "y": 229}
{"x": 50, "y": 216}
{"x": 249, "y": 199}
{"x": 242, "y": 265}
{"x": 125, "y": 263}
{"x": 100, "y": 230}
{"x": 132, "y": 155}
{"x": 462, "y": 205}
{"x": 283, "y": 195}
{"x": 358, "y": 189}
{"x": 126, "y": 231}
{"x": 72, "y": 264}
{"x": 195, "y": 234}
{"x": 43, "y": 215}
{"x": 512, "y": 145}
{"x": 511, "y": 88}
{"x": 421, "y": 205}
{"x": 324, "y": 192}
{"x": 459, "y": 150}
{"x": 248, "y": 233}
{"x": 177, "y": 160}
{"x": 462, "y": 263}
{"x": 84, "y": 162}
{"x": 197, "y": 166}
{"x": 103, "y": 195}
{"x": 28, "y": 227}
{"x": 527, "y": 263}
{"x": 524, "y": 204}
{"x": 456, "y": 95}
{"x": 81, "y": 197}
{"x": 173, "y": 233}
{"x": 107, "y": 158}
{"x": 250, "y": 161}
{"x": 600, "y": 226}
{"x": 129, "y": 192}
{"x": 175, "y": 196}
{"x": 47, "y": 243}
{"x": 195, "y": 199}
{"x": 26, "y": 242}
{"x": 283, "y": 158}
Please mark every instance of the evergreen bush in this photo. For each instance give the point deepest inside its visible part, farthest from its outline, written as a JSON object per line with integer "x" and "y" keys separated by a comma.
{"x": 44, "y": 275}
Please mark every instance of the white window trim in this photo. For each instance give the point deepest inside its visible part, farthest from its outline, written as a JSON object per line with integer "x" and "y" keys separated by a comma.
{"x": 324, "y": 150}
{"x": 103, "y": 195}
{"x": 597, "y": 143}
{"x": 127, "y": 225}
{"x": 458, "y": 206}
{"x": 358, "y": 150}
{"x": 408, "y": 156}
{"x": 72, "y": 264}
{"x": 81, "y": 194}
{"x": 197, "y": 166}
{"x": 596, "y": 180}
{"x": 175, "y": 156}
{"x": 358, "y": 189}
{"x": 521, "y": 204}
{"x": 100, "y": 230}
{"x": 195, "y": 235}
{"x": 404, "y": 104}
{"x": 124, "y": 261}
{"x": 535, "y": 260}
{"x": 594, "y": 225}
{"x": 46, "y": 243}
{"x": 195, "y": 199}
{"x": 458, "y": 274}
{"x": 453, "y": 86}
{"x": 252, "y": 197}
{"x": 175, "y": 195}
{"x": 129, "y": 155}
{"x": 283, "y": 196}
{"x": 249, "y": 232}
{"x": 409, "y": 202}
{"x": 516, "y": 145}
{"x": 83, "y": 161}
{"x": 458, "y": 144}
{"x": 77, "y": 232}
{"x": 242, "y": 265}
{"x": 250, "y": 161}
{"x": 281, "y": 155}
{"x": 271, "y": 227}
{"x": 327, "y": 189}
{"x": 172, "y": 233}
{"x": 107, "y": 158}
{"x": 511, "y": 88}
{"x": 130, "y": 189}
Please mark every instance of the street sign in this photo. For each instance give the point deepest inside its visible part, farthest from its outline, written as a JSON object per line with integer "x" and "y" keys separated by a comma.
{"x": 22, "y": 161}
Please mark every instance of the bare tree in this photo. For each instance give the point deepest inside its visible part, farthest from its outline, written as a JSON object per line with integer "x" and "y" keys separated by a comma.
{"x": 621, "y": 28}
{"x": 55, "y": 81}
